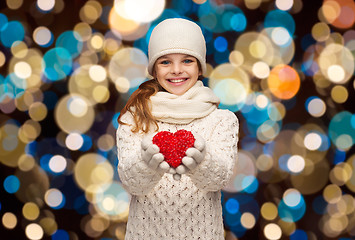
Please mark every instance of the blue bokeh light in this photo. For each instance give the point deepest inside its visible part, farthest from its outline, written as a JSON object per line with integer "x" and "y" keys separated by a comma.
{"x": 11, "y": 32}
{"x": 250, "y": 184}
{"x": 184, "y": 7}
{"x": 71, "y": 41}
{"x": 283, "y": 162}
{"x": 44, "y": 162}
{"x": 221, "y": 17}
{"x": 339, "y": 156}
{"x": 221, "y": 44}
{"x": 60, "y": 235}
{"x": 12, "y": 86}
{"x": 11, "y": 184}
{"x": 221, "y": 57}
{"x": 114, "y": 120}
{"x": 246, "y": 203}
{"x": 292, "y": 213}
{"x": 57, "y": 63}
{"x": 87, "y": 143}
{"x": 299, "y": 234}
{"x": 254, "y": 114}
{"x": 3, "y": 21}
{"x": 238, "y": 22}
{"x": 352, "y": 121}
{"x": 278, "y": 18}
{"x": 340, "y": 125}
{"x": 232, "y": 206}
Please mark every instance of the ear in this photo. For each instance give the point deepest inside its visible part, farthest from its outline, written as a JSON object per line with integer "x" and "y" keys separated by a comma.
{"x": 199, "y": 68}
{"x": 200, "y": 76}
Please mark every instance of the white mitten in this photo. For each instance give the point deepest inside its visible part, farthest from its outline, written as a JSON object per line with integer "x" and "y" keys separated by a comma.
{"x": 194, "y": 155}
{"x": 151, "y": 155}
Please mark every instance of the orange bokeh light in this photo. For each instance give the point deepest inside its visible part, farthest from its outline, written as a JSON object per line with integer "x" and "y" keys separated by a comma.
{"x": 339, "y": 13}
{"x": 283, "y": 82}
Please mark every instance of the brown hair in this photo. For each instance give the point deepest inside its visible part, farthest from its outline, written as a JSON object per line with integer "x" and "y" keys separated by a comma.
{"x": 139, "y": 105}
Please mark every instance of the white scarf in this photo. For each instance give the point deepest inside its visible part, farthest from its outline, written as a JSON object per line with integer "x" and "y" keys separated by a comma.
{"x": 197, "y": 102}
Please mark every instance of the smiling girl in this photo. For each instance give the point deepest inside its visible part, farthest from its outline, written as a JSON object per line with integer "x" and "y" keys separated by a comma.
{"x": 182, "y": 202}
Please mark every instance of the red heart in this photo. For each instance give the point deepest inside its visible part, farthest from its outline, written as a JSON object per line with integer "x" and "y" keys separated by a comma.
{"x": 174, "y": 145}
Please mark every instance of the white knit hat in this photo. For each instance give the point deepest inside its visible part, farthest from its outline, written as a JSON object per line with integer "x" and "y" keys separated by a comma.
{"x": 177, "y": 35}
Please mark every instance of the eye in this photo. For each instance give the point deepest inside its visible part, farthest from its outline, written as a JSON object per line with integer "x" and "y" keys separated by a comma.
{"x": 164, "y": 62}
{"x": 188, "y": 61}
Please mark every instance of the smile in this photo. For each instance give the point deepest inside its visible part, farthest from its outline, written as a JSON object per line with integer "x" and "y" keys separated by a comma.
{"x": 177, "y": 80}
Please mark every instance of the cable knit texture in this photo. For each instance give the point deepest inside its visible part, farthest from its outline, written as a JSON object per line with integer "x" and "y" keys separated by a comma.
{"x": 189, "y": 208}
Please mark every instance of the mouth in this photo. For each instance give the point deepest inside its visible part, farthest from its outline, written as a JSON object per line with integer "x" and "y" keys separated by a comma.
{"x": 177, "y": 80}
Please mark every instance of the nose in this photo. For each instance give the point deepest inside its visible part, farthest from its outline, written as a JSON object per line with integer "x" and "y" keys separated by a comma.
{"x": 176, "y": 68}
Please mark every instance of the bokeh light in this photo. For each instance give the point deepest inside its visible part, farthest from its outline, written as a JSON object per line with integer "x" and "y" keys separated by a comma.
{"x": 315, "y": 106}
{"x": 34, "y": 231}
{"x": 339, "y": 13}
{"x": 91, "y": 170}
{"x": 272, "y": 231}
{"x": 284, "y": 82}
{"x": 11, "y": 32}
{"x": 54, "y": 198}
{"x": 74, "y": 141}
{"x": 57, "y": 63}
{"x": 43, "y": 36}
{"x": 269, "y": 211}
{"x": 139, "y": 10}
{"x": 57, "y": 163}
{"x": 340, "y": 66}
{"x": 128, "y": 66}
{"x": 9, "y": 220}
{"x": 30, "y": 211}
{"x": 45, "y": 5}
{"x": 11, "y": 184}
{"x": 284, "y": 5}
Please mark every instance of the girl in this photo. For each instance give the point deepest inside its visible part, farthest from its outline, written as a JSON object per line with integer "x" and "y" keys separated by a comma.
{"x": 182, "y": 202}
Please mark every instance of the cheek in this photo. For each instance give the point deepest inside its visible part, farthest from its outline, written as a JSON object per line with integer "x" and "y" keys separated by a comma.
{"x": 160, "y": 80}
{"x": 158, "y": 72}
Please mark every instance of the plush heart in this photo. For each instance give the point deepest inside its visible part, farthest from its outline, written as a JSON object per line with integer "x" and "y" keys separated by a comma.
{"x": 174, "y": 145}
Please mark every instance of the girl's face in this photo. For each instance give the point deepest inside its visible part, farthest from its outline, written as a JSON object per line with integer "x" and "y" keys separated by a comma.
{"x": 176, "y": 72}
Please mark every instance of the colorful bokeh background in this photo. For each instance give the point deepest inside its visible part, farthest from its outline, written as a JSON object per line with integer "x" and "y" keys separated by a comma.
{"x": 285, "y": 67}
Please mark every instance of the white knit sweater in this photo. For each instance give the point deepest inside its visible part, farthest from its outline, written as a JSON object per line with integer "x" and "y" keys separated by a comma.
{"x": 189, "y": 208}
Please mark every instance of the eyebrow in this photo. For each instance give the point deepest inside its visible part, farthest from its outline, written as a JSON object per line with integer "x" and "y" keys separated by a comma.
{"x": 167, "y": 57}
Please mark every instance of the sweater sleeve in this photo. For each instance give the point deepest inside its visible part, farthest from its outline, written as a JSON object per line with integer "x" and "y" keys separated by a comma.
{"x": 136, "y": 177}
{"x": 215, "y": 171}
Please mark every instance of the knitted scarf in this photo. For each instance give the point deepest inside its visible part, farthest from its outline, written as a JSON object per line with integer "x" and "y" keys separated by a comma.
{"x": 197, "y": 102}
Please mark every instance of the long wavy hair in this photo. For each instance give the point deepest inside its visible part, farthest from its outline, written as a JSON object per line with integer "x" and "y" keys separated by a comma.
{"x": 139, "y": 105}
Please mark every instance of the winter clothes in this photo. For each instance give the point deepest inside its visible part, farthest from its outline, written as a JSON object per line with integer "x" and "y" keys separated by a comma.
{"x": 190, "y": 208}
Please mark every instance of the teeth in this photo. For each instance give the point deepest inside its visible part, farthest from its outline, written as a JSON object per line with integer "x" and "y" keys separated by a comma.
{"x": 176, "y": 80}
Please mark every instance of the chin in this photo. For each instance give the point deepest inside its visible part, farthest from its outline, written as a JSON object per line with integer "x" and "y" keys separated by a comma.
{"x": 176, "y": 92}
